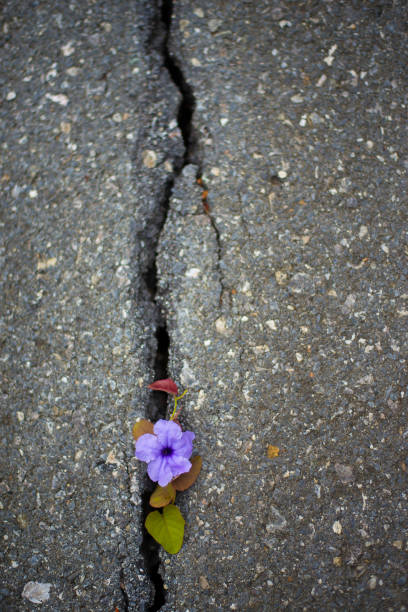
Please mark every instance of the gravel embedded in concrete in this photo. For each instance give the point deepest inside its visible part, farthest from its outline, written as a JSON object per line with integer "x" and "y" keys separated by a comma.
{"x": 283, "y": 291}
{"x": 302, "y": 150}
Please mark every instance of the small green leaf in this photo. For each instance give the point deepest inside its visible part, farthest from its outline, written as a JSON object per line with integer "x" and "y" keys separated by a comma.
{"x": 162, "y": 496}
{"x": 142, "y": 427}
{"x": 184, "y": 481}
{"x": 167, "y": 528}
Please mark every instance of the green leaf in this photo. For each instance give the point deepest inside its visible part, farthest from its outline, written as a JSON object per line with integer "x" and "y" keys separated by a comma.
{"x": 167, "y": 528}
{"x": 142, "y": 427}
{"x": 162, "y": 496}
{"x": 184, "y": 481}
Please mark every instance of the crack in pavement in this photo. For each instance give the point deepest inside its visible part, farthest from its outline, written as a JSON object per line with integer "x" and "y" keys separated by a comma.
{"x": 157, "y": 404}
{"x": 190, "y": 137}
{"x": 223, "y": 292}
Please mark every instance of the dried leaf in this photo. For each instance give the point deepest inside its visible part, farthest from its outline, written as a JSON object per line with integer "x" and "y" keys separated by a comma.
{"x": 167, "y": 528}
{"x": 142, "y": 427}
{"x": 167, "y": 384}
{"x": 273, "y": 451}
{"x": 162, "y": 496}
{"x": 184, "y": 481}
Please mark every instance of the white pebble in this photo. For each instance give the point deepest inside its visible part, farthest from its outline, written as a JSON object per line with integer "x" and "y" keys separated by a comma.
{"x": 73, "y": 71}
{"x": 321, "y": 80}
{"x": 271, "y": 324}
{"x": 363, "y": 231}
{"x": 149, "y": 158}
{"x": 37, "y": 592}
{"x": 372, "y": 583}
{"x": 68, "y": 49}
{"x": 221, "y": 326}
{"x": 58, "y": 98}
{"x": 193, "y": 273}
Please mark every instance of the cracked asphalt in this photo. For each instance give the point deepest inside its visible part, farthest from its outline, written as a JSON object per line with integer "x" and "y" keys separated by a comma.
{"x": 285, "y": 300}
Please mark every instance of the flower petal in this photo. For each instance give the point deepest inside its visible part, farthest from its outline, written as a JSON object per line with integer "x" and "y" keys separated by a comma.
{"x": 147, "y": 447}
{"x": 178, "y": 465}
{"x": 167, "y": 432}
{"x": 184, "y": 446}
{"x": 159, "y": 471}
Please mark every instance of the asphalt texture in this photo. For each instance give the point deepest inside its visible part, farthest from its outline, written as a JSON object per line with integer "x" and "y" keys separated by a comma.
{"x": 282, "y": 291}
{"x": 77, "y": 328}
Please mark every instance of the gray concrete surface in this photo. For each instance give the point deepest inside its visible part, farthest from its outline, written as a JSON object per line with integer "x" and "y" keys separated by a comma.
{"x": 79, "y": 96}
{"x": 286, "y": 305}
{"x": 301, "y": 121}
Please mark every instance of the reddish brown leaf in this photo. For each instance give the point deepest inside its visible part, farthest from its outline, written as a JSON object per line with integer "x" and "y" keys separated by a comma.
{"x": 162, "y": 496}
{"x": 185, "y": 481}
{"x": 167, "y": 385}
{"x": 142, "y": 427}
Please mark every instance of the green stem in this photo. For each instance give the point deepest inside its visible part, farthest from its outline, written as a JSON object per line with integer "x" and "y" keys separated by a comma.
{"x": 175, "y": 403}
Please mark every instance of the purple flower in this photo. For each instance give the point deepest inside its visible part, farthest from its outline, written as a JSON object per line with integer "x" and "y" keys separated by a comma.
{"x": 166, "y": 452}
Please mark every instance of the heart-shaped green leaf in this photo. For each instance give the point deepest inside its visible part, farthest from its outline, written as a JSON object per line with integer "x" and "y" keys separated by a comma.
{"x": 184, "y": 481}
{"x": 167, "y": 528}
{"x": 162, "y": 496}
{"x": 142, "y": 427}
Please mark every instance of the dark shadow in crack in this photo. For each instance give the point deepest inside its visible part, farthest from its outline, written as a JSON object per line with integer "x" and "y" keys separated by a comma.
{"x": 157, "y": 405}
{"x": 187, "y": 105}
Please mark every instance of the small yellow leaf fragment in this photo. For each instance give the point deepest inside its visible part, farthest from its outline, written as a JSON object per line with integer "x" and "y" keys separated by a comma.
{"x": 273, "y": 451}
{"x": 337, "y": 561}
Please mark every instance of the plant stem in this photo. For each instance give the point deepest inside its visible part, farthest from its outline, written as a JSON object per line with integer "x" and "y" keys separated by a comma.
{"x": 174, "y": 415}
